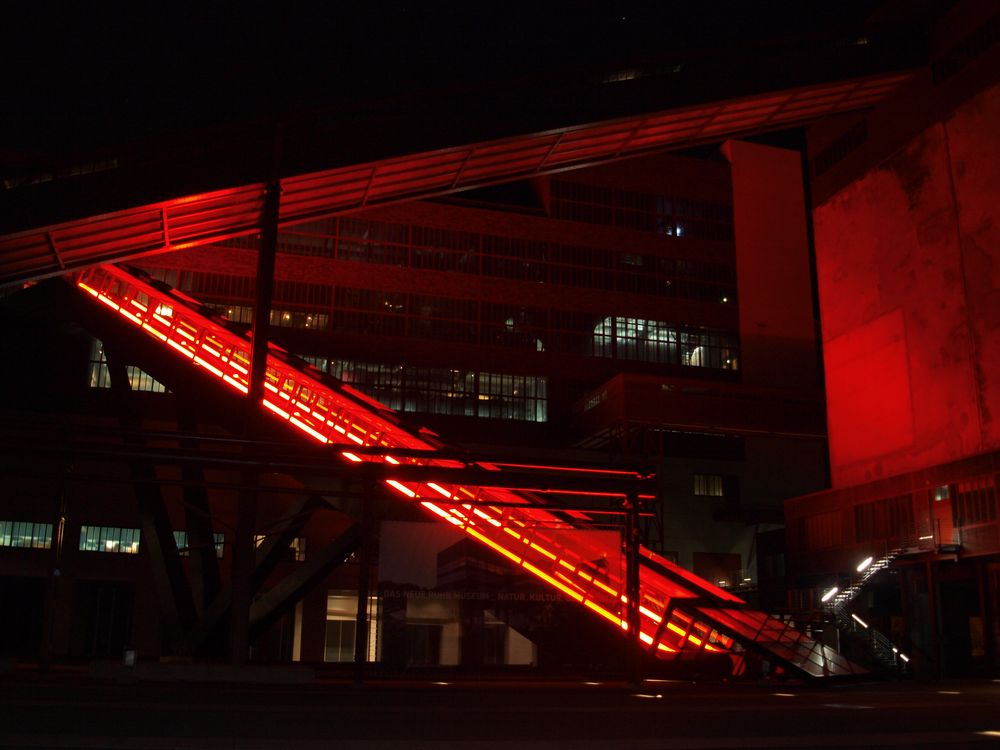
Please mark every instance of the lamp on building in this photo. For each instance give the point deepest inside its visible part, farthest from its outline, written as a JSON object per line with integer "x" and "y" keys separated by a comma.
{"x": 860, "y": 622}
{"x": 829, "y": 594}
{"x": 863, "y": 565}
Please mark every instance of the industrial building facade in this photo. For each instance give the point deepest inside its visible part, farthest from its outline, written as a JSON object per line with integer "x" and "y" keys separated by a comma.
{"x": 906, "y": 247}
{"x": 747, "y": 326}
{"x": 532, "y": 321}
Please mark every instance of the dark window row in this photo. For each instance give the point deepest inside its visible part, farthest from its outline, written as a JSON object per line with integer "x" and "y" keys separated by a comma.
{"x": 398, "y": 314}
{"x": 975, "y": 503}
{"x": 540, "y": 261}
{"x": 443, "y": 391}
{"x": 890, "y": 517}
{"x": 645, "y": 212}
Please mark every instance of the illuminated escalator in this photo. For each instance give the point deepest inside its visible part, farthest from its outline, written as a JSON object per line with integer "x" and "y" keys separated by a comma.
{"x": 679, "y": 613}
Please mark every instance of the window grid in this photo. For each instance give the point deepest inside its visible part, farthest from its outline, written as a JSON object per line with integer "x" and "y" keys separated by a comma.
{"x": 975, "y": 502}
{"x": 100, "y": 377}
{"x": 884, "y": 519}
{"x": 441, "y": 391}
{"x": 644, "y": 212}
{"x": 708, "y": 485}
{"x": 427, "y": 248}
{"x": 373, "y": 313}
{"x": 26, "y": 534}
{"x": 109, "y": 539}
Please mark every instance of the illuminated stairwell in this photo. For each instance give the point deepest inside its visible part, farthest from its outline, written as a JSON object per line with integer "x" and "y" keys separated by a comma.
{"x": 882, "y": 650}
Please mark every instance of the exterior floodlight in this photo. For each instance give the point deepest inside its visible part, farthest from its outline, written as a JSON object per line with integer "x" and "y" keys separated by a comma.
{"x": 904, "y": 657}
{"x": 860, "y": 622}
{"x": 863, "y": 565}
{"x": 830, "y": 594}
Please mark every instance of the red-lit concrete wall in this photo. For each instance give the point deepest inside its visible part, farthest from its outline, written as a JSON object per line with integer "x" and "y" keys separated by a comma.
{"x": 908, "y": 260}
{"x": 777, "y": 332}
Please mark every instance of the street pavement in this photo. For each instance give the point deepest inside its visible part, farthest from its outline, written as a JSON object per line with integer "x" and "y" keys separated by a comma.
{"x": 77, "y": 711}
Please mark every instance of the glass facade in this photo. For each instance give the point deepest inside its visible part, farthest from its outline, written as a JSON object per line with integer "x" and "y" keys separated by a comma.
{"x": 341, "y": 627}
{"x": 442, "y": 391}
{"x": 664, "y": 343}
{"x": 25, "y": 534}
{"x": 109, "y": 539}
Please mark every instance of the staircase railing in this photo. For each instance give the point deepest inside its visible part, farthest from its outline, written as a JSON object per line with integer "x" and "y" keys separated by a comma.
{"x": 882, "y": 648}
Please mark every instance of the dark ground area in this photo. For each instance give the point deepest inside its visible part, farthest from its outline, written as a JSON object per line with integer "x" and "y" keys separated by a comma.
{"x": 75, "y": 711}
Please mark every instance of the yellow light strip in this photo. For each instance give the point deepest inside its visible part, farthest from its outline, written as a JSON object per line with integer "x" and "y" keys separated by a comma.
{"x": 549, "y": 579}
{"x": 239, "y": 386}
{"x": 402, "y": 488}
{"x": 439, "y": 489}
{"x": 650, "y": 614}
{"x": 153, "y": 331}
{"x": 210, "y": 367}
{"x": 488, "y": 518}
{"x": 309, "y": 430}
{"x": 490, "y": 543}
{"x": 542, "y": 550}
{"x": 187, "y": 353}
{"x": 273, "y": 407}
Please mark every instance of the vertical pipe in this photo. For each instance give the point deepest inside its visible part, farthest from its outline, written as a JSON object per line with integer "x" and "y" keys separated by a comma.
{"x": 52, "y": 587}
{"x": 244, "y": 548}
{"x": 933, "y": 619}
{"x": 265, "y": 276}
{"x": 364, "y": 573}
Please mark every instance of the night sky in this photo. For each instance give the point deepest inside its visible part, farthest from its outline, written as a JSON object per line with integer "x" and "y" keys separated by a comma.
{"x": 82, "y": 73}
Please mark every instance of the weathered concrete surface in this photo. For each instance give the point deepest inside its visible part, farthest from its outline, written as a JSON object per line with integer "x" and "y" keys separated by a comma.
{"x": 908, "y": 262}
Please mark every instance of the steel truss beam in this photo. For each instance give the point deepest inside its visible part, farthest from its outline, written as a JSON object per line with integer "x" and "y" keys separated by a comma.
{"x": 204, "y": 218}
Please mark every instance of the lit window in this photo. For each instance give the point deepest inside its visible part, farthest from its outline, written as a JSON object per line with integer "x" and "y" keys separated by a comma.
{"x": 341, "y": 619}
{"x": 25, "y": 534}
{"x": 109, "y": 539}
{"x": 708, "y": 485}
{"x": 446, "y": 391}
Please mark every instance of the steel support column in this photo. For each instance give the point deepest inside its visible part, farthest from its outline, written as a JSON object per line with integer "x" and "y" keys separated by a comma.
{"x": 244, "y": 551}
{"x": 204, "y": 561}
{"x": 283, "y": 597}
{"x": 158, "y": 543}
{"x": 368, "y": 521}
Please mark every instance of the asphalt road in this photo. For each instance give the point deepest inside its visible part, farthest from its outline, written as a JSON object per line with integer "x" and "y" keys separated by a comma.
{"x": 78, "y": 712}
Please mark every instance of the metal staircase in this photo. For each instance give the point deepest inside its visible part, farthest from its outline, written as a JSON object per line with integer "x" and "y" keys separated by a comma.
{"x": 677, "y": 613}
{"x": 846, "y": 596}
{"x": 881, "y": 649}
